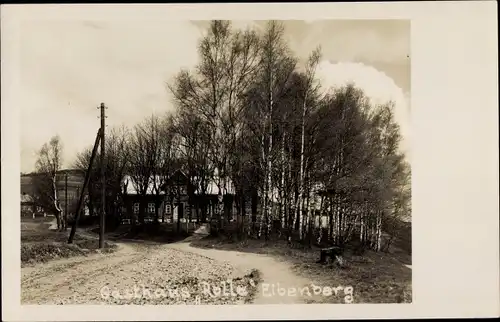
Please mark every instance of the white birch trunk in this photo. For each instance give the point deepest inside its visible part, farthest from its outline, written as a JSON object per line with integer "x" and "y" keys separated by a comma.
{"x": 362, "y": 223}
{"x": 320, "y": 221}
{"x": 339, "y": 218}
{"x": 282, "y": 201}
{"x": 310, "y": 213}
{"x": 270, "y": 147}
{"x": 379, "y": 233}
{"x": 56, "y": 203}
{"x": 334, "y": 216}
{"x": 301, "y": 175}
{"x": 344, "y": 221}
{"x": 373, "y": 231}
{"x": 264, "y": 190}
{"x": 270, "y": 192}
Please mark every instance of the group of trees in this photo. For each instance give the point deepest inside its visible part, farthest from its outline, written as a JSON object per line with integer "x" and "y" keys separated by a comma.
{"x": 308, "y": 154}
{"x": 323, "y": 165}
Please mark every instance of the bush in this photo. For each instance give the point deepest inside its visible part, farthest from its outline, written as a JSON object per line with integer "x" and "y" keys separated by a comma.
{"x": 42, "y": 251}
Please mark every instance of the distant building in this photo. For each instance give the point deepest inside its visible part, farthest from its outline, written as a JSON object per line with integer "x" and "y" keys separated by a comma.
{"x": 177, "y": 199}
{"x": 133, "y": 200}
{"x": 68, "y": 194}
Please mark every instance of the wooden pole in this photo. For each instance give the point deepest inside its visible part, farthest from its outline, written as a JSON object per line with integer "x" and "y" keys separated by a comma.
{"x": 103, "y": 178}
{"x": 85, "y": 183}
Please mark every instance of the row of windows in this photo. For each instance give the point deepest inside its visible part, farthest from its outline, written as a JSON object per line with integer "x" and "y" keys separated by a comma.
{"x": 151, "y": 208}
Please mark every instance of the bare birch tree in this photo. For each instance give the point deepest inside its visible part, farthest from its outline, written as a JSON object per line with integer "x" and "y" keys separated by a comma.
{"x": 228, "y": 62}
{"x": 143, "y": 158}
{"x": 309, "y": 90}
{"x": 48, "y": 164}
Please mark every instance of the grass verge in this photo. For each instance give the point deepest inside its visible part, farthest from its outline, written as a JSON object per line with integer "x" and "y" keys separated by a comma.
{"x": 39, "y": 244}
{"x": 160, "y": 233}
{"x": 375, "y": 277}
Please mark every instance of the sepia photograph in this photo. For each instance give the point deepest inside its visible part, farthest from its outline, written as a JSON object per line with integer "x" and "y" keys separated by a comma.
{"x": 249, "y": 161}
{"x": 256, "y": 162}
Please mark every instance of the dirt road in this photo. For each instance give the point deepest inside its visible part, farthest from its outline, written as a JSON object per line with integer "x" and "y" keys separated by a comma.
{"x": 144, "y": 268}
{"x": 275, "y": 275}
{"x": 131, "y": 275}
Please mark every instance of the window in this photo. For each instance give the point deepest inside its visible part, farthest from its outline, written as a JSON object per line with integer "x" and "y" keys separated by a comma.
{"x": 151, "y": 207}
{"x": 182, "y": 190}
{"x": 136, "y": 208}
{"x": 168, "y": 209}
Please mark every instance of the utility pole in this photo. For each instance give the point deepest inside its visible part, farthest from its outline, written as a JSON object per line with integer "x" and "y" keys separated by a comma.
{"x": 66, "y": 201}
{"x": 103, "y": 178}
{"x": 85, "y": 184}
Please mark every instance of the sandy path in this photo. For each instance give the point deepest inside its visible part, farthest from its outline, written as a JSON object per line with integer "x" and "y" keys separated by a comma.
{"x": 77, "y": 279}
{"x": 81, "y": 279}
{"x": 135, "y": 268}
{"x": 274, "y": 274}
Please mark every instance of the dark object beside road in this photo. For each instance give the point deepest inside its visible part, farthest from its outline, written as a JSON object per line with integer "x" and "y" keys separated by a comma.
{"x": 331, "y": 253}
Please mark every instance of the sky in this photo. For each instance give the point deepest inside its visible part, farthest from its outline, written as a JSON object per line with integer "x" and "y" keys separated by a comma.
{"x": 67, "y": 68}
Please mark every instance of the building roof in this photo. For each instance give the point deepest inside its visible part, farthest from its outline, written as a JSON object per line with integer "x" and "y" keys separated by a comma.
{"x": 26, "y": 198}
{"x": 212, "y": 187}
{"x": 130, "y": 187}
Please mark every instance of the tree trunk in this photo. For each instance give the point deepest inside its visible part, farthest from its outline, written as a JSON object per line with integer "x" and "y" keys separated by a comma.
{"x": 320, "y": 220}
{"x": 379, "y": 232}
{"x": 203, "y": 206}
{"x": 362, "y": 223}
{"x": 306, "y": 217}
{"x": 330, "y": 218}
{"x": 302, "y": 145}
{"x": 264, "y": 190}
{"x": 239, "y": 202}
{"x": 157, "y": 209}
{"x": 254, "y": 206}
{"x": 290, "y": 215}
{"x": 270, "y": 192}
{"x": 338, "y": 218}
{"x": 311, "y": 219}
{"x": 178, "y": 223}
{"x": 141, "y": 210}
{"x": 374, "y": 231}
{"x": 56, "y": 204}
{"x": 282, "y": 192}
{"x": 58, "y": 220}
{"x": 188, "y": 217}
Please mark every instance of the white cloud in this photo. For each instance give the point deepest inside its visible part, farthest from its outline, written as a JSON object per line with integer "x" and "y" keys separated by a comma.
{"x": 68, "y": 68}
{"x": 378, "y": 87}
